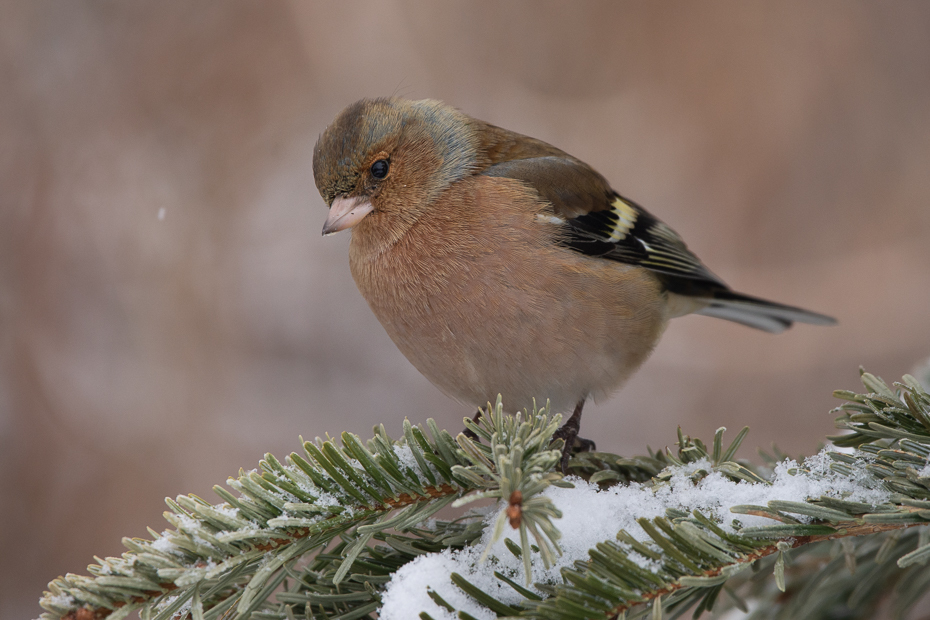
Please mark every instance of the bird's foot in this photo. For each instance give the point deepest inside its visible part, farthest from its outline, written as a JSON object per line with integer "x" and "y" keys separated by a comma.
{"x": 573, "y": 443}
{"x": 584, "y": 445}
{"x": 569, "y": 434}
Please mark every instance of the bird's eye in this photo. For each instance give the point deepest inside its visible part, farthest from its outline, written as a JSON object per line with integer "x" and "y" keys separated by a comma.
{"x": 379, "y": 169}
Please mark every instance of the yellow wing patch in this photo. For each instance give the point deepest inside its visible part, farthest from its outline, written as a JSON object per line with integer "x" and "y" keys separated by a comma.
{"x": 626, "y": 219}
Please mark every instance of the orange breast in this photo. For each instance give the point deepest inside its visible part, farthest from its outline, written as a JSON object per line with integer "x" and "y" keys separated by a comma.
{"x": 483, "y": 301}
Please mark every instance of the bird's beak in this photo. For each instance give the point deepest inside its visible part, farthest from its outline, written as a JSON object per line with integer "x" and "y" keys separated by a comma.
{"x": 346, "y": 213}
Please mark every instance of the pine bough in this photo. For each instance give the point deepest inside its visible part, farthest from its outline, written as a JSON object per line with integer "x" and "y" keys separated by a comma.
{"x": 327, "y": 532}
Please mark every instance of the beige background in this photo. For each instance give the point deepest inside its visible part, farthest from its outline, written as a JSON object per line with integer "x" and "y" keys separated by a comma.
{"x": 788, "y": 142}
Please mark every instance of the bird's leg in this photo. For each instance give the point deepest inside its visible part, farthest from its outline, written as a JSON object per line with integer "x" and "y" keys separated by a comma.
{"x": 468, "y": 432}
{"x": 569, "y": 434}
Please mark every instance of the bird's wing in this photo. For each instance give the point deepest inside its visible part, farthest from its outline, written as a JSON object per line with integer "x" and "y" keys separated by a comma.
{"x": 600, "y": 222}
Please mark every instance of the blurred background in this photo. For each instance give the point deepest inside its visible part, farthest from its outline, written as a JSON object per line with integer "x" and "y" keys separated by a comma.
{"x": 169, "y": 311}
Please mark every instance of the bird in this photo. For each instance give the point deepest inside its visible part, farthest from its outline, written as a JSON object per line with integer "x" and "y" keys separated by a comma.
{"x": 501, "y": 265}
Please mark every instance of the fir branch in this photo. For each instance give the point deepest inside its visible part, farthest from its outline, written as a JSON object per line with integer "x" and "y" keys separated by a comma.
{"x": 693, "y": 557}
{"x": 349, "y": 514}
{"x": 699, "y": 557}
{"x": 233, "y": 555}
{"x": 517, "y": 465}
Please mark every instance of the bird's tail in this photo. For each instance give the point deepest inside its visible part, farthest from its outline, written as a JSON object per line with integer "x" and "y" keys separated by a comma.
{"x": 759, "y": 313}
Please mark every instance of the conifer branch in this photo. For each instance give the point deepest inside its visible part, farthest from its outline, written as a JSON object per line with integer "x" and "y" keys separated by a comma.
{"x": 235, "y": 554}
{"x": 322, "y": 534}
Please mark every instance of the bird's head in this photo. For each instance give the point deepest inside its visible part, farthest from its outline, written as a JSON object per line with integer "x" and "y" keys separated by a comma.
{"x": 391, "y": 156}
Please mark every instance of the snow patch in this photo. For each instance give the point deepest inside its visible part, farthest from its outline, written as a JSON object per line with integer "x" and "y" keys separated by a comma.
{"x": 590, "y": 515}
{"x": 163, "y": 544}
{"x": 924, "y": 472}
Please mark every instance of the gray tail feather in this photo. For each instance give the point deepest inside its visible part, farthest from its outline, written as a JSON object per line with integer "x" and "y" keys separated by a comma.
{"x": 759, "y": 313}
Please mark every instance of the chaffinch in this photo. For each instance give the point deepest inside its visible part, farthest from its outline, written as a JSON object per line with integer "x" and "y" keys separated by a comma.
{"x": 499, "y": 264}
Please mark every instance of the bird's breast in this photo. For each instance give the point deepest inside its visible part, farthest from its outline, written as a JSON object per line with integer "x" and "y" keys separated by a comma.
{"x": 483, "y": 301}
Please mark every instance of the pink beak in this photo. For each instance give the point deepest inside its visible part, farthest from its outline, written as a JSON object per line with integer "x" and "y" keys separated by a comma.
{"x": 345, "y": 213}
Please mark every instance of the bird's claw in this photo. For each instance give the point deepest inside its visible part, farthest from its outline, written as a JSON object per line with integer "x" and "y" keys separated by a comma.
{"x": 569, "y": 434}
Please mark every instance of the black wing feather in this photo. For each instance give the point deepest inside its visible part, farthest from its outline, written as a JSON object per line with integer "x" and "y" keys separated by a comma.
{"x": 626, "y": 232}
{"x": 600, "y": 222}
